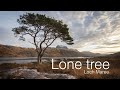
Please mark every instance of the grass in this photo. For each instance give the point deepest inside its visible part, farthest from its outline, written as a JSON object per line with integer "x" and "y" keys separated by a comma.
{"x": 47, "y": 67}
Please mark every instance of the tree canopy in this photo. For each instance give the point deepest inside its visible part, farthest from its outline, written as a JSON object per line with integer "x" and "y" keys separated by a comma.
{"x": 44, "y": 30}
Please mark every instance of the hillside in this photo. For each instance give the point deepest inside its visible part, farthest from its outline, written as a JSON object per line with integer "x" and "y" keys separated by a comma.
{"x": 13, "y": 51}
{"x": 64, "y": 52}
{"x": 115, "y": 55}
{"x": 90, "y": 54}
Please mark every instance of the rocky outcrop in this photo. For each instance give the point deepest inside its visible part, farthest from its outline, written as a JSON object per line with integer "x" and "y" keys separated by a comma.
{"x": 25, "y": 73}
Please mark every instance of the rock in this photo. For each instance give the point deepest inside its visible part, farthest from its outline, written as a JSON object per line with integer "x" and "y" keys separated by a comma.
{"x": 24, "y": 73}
{"x": 34, "y": 74}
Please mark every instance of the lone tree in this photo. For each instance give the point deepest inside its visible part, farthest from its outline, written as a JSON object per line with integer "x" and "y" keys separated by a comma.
{"x": 44, "y": 31}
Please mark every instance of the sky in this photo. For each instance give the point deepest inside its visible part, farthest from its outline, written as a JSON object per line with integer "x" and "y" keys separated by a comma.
{"x": 94, "y": 31}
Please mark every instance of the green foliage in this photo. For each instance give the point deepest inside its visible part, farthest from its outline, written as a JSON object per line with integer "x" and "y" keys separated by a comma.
{"x": 33, "y": 23}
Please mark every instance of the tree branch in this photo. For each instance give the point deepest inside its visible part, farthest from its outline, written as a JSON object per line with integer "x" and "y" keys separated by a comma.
{"x": 47, "y": 46}
{"x": 31, "y": 42}
{"x": 34, "y": 38}
{"x": 45, "y": 36}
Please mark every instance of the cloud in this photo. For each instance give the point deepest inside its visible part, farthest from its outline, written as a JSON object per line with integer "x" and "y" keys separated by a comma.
{"x": 95, "y": 31}
{"x": 101, "y": 28}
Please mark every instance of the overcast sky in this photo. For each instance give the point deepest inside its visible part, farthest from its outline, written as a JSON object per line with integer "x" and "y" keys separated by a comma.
{"x": 94, "y": 31}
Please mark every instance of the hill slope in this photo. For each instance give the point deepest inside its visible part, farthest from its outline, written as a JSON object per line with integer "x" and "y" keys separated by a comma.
{"x": 90, "y": 54}
{"x": 13, "y": 51}
{"x": 115, "y": 55}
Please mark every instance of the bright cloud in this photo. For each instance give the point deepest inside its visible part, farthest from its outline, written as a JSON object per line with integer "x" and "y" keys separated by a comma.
{"x": 95, "y": 31}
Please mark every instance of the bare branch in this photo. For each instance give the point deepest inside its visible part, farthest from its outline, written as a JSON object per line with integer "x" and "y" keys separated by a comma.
{"x": 34, "y": 38}
{"x": 29, "y": 34}
{"x": 47, "y": 46}
{"x": 45, "y": 36}
{"x": 31, "y": 42}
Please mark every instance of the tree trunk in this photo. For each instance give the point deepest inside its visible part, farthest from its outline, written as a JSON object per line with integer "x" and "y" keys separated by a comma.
{"x": 39, "y": 58}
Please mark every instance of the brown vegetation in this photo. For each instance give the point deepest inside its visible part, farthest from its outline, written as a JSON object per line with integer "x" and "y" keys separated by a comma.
{"x": 46, "y": 67}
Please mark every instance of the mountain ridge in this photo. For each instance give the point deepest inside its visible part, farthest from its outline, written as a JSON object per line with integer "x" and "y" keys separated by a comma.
{"x": 13, "y": 51}
{"x": 90, "y": 54}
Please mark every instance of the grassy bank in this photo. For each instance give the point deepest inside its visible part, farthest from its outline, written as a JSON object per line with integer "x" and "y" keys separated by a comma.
{"x": 47, "y": 67}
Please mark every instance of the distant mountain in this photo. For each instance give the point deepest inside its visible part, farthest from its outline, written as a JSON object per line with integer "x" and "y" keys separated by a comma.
{"x": 90, "y": 54}
{"x": 115, "y": 55}
{"x": 61, "y": 47}
{"x": 59, "y": 51}
{"x": 13, "y": 51}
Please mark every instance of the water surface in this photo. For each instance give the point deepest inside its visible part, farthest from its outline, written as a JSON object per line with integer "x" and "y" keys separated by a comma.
{"x": 32, "y": 59}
